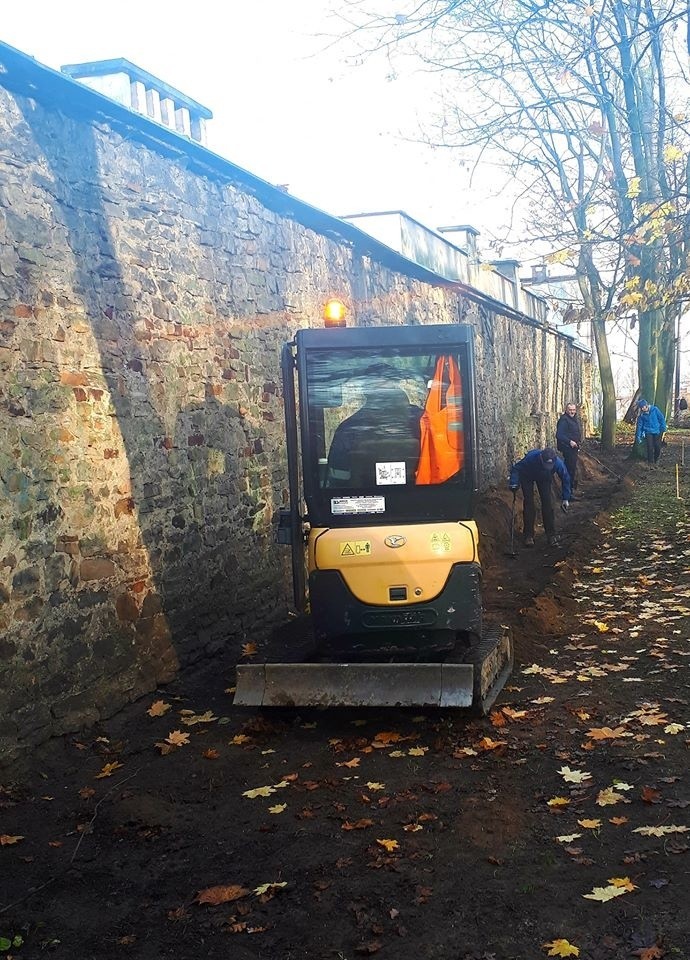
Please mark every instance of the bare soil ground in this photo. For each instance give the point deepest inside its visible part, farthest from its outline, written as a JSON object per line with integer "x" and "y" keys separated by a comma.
{"x": 557, "y": 826}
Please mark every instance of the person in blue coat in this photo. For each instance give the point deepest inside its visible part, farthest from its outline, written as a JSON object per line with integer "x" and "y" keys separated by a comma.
{"x": 651, "y": 427}
{"x": 538, "y": 467}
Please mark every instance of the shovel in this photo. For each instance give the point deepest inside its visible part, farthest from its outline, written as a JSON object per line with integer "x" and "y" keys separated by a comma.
{"x": 511, "y": 552}
{"x": 604, "y": 467}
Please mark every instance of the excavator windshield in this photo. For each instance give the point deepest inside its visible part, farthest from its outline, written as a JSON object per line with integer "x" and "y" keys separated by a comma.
{"x": 385, "y": 427}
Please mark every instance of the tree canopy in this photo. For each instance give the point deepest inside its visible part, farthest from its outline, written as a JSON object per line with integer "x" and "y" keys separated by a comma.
{"x": 585, "y": 107}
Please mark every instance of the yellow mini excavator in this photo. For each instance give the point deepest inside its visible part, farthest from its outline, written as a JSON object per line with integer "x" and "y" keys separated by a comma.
{"x": 383, "y": 469}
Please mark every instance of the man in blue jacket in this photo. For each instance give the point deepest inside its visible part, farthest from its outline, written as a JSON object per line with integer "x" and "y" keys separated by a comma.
{"x": 651, "y": 427}
{"x": 538, "y": 467}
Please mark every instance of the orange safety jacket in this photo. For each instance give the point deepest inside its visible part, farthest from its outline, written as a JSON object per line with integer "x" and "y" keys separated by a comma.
{"x": 442, "y": 448}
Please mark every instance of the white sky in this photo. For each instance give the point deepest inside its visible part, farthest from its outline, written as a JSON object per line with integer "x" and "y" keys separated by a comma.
{"x": 285, "y": 104}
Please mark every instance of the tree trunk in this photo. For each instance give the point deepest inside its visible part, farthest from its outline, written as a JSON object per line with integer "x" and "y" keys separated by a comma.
{"x": 608, "y": 420}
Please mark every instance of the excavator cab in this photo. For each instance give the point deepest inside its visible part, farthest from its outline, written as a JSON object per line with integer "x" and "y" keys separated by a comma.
{"x": 383, "y": 469}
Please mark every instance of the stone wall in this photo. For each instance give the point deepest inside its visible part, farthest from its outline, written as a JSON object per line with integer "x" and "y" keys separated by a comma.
{"x": 143, "y": 305}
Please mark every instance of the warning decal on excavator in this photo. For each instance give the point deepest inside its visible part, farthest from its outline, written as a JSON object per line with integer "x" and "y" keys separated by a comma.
{"x": 441, "y": 543}
{"x": 355, "y": 548}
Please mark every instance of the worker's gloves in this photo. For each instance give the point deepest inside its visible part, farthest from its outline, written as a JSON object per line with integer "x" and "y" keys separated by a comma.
{"x": 564, "y": 506}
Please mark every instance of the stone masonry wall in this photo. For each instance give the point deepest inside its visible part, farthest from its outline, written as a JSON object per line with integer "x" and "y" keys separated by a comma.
{"x": 142, "y": 311}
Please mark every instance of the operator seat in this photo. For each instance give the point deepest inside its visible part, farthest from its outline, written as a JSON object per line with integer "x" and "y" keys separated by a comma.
{"x": 385, "y": 430}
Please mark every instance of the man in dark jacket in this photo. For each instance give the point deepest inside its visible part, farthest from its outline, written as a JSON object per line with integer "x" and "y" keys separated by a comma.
{"x": 568, "y": 440}
{"x": 538, "y": 467}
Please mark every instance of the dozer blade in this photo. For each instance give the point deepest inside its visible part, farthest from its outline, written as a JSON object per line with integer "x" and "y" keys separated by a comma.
{"x": 472, "y": 684}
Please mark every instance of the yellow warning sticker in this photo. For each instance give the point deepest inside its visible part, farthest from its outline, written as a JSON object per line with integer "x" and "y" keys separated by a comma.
{"x": 355, "y": 548}
{"x": 441, "y": 543}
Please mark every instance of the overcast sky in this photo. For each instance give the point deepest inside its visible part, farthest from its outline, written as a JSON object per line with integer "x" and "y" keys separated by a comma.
{"x": 286, "y": 105}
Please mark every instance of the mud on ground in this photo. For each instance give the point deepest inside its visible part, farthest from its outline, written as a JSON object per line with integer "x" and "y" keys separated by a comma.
{"x": 400, "y": 834}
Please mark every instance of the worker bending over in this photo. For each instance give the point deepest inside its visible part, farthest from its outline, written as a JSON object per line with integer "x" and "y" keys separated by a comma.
{"x": 538, "y": 467}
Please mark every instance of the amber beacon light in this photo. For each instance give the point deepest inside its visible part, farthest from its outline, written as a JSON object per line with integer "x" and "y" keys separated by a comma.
{"x": 334, "y": 313}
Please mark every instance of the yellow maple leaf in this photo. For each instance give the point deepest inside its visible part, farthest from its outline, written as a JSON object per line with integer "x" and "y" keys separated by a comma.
{"x": 249, "y": 649}
{"x": 561, "y": 948}
{"x": 634, "y": 187}
{"x": 190, "y": 719}
{"x": 608, "y": 796}
{"x": 672, "y": 152}
{"x": 625, "y": 883}
{"x": 349, "y": 763}
{"x": 373, "y": 785}
{"x": 600, "y": 625}
{"x": 589, "y": 824}
{"x": 389, "y": 845}
{"x": 278, "y": 808}
{"x": 417, "y": 751}
{"x": 7, "y": 840}
{"x": 574, "y": 776}
{"x": 158, "y": 708}
{"x": 266, "y": 887}
{"x": 558, "y": 802}
{"x": 568, "y": 837}
{"x": 660, "y": 831}
{"x": 240, "y": 738}
{"x": 604, "y": 894}
{"x": 674, "y": 728}
{"x": 259, "y": 792}
{"x": 108, "y": 770}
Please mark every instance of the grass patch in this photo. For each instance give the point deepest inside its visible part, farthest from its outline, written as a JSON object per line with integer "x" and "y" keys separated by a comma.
{"x": 654, "y": 508}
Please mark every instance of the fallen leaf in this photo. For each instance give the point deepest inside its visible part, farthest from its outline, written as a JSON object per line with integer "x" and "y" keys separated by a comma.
{"x": 660, "y": 831}
{"x": 190, "y": 719}
{"x": 108, "y": 770}
{"x": 389, "y": 845}
{"x": 373, "y": 785}
{"x": 590, "y": 824}
{"x": 417, "y": 751}
{"x": 606, "y": 733}
{"x": 568, "y": 837}
{"x": 625, "y": 883}
{"x": 6, "y": 840}
{"x": 486, "y": 743}
{"x": 673, "y": 728}
{"x": 608, "y": 797}
{"x": 350, "y": 763}
{"x": 266, "y": 887}
{"x": 618, "y": 821}
{"x": 357, "y": 825}
{"x": 367, "y": 949}
{"x": 561, "y": 948}
{"x": 86, "y": 792}
{"x": 222, "y": 894}
{"x": 558, "y": 802}
{"x": 177, "y": 738}
{"x": 249, "y": 649}
{"x": 649, "y": 953}
{"x": 574, "y": 776}
{"x": 604, "y": 894}
{"x": 158, "y": 708}
{"x": 259, "y": 792}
